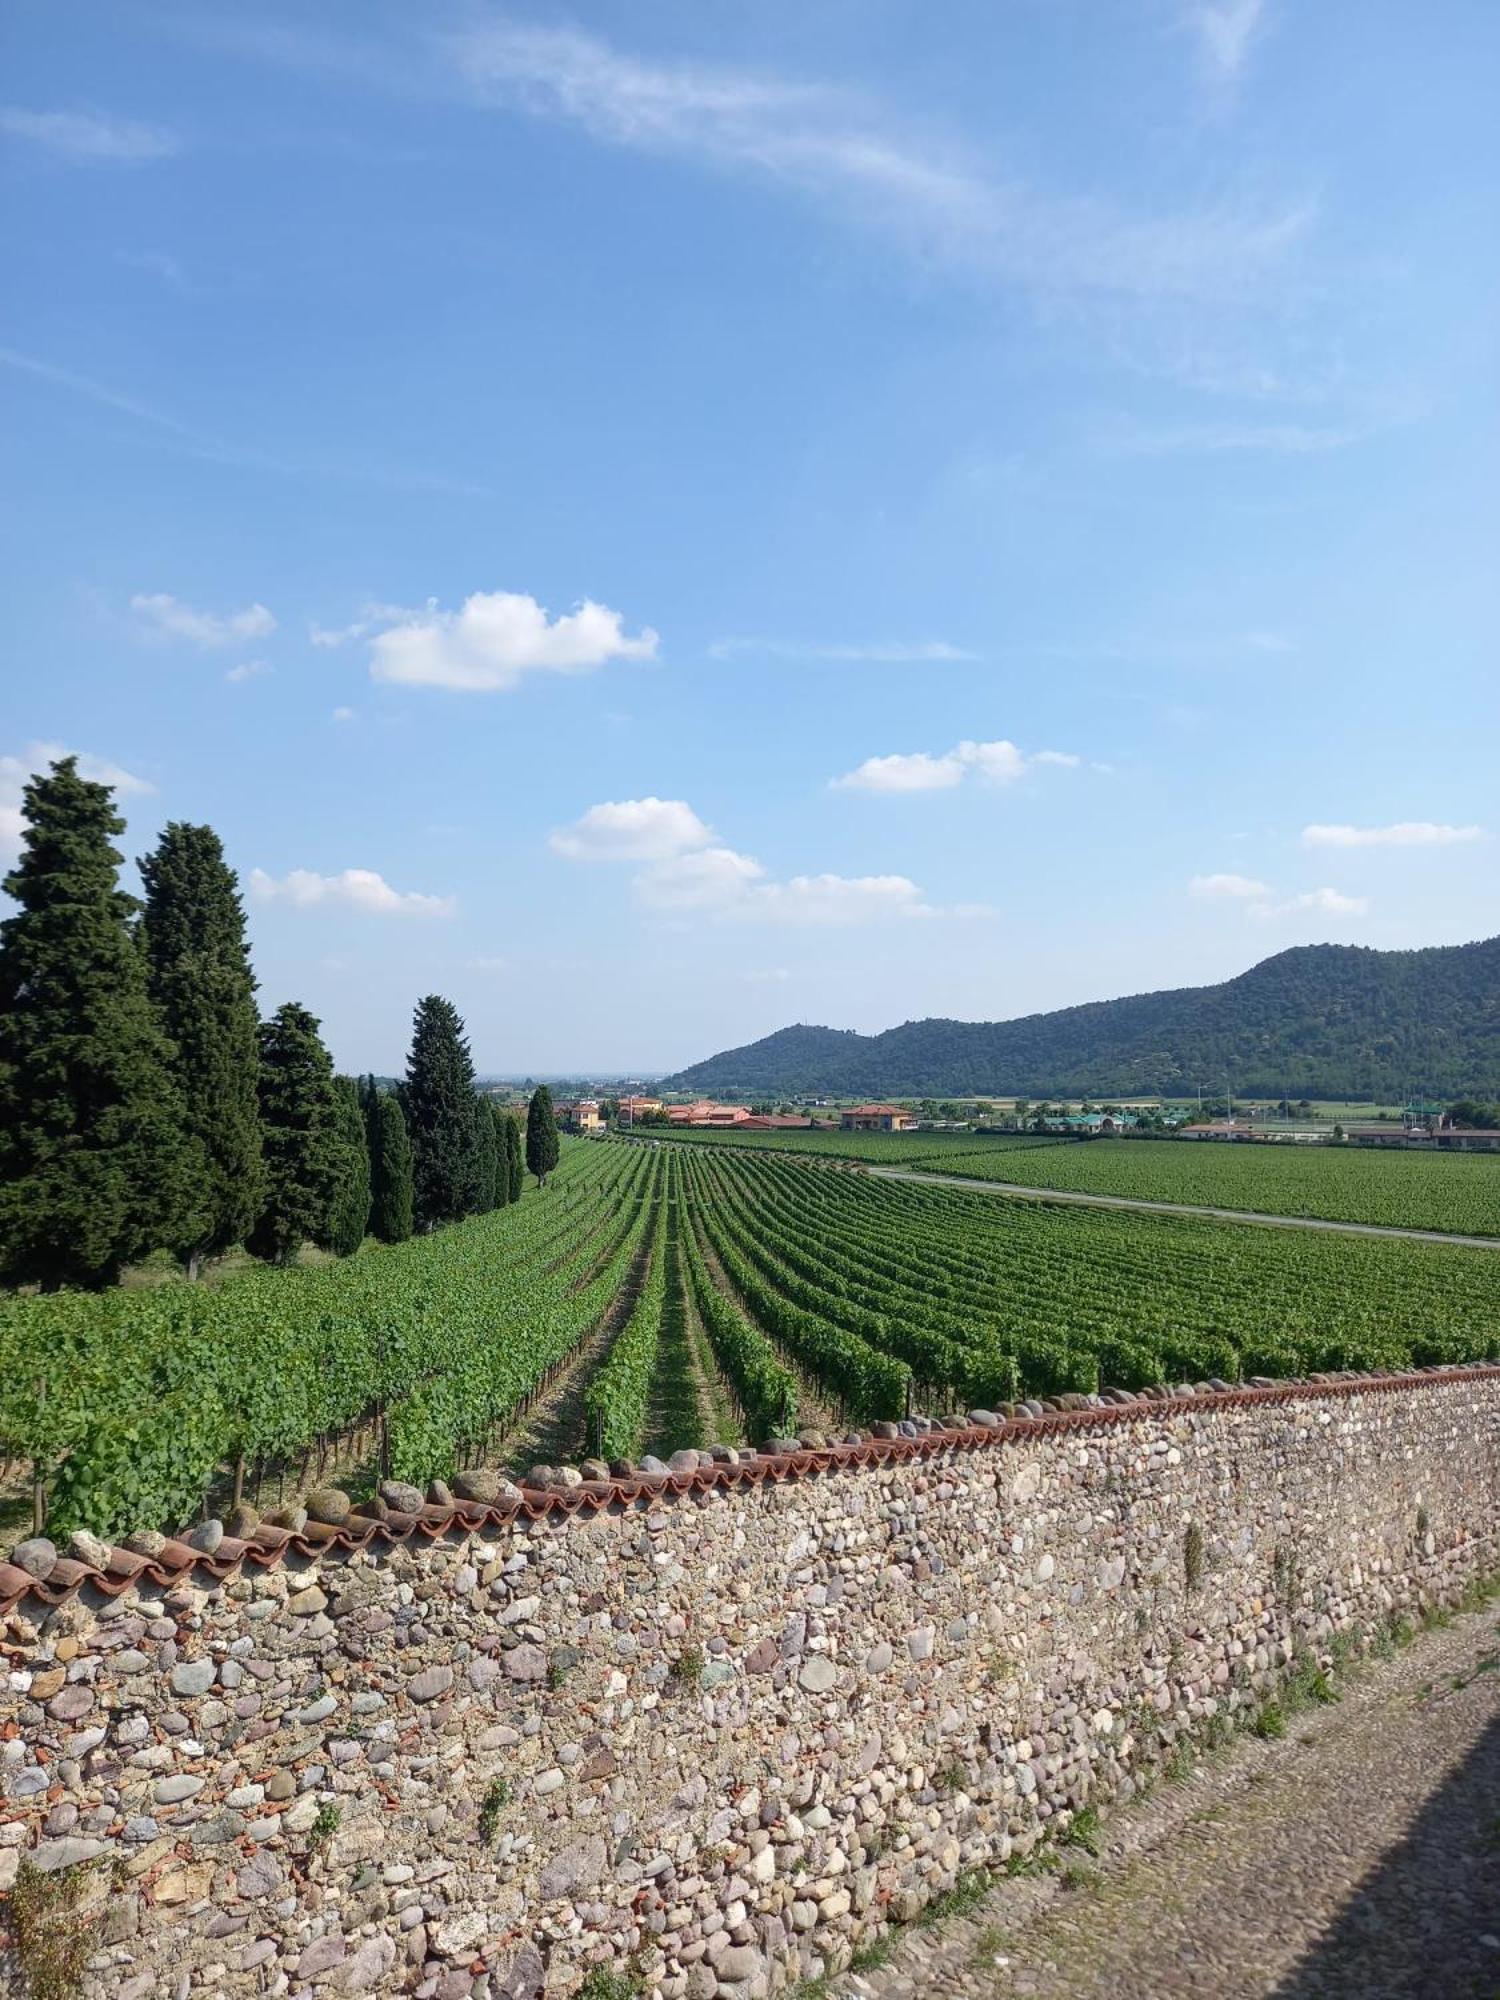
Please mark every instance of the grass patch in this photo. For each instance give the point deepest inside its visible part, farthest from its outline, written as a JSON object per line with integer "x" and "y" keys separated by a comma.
{"x": 687, "y": 1668}
{"x": 1270, "y": 1721}
{"x": 497, "y": 1796}
{"x": 870, "y": 1957}
{"x": 1085, "y": 1831}
{"x": 51, "y": 1940}
{"x": 603, "y": 1982}
{"x": 970, "y": 1888}
{"x": 324, "y": 1827}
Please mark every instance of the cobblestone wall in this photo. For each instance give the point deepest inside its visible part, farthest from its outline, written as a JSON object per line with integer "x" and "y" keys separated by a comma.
{"x": 716, "y": 1740}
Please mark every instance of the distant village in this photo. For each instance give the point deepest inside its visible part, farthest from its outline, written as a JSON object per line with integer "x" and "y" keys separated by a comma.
{"x": 1419, "y": 1124}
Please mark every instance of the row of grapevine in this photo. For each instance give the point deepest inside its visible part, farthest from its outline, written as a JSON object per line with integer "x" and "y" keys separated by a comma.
{"x": 617, "y": 1399}
{"x": 127, "y": 1404}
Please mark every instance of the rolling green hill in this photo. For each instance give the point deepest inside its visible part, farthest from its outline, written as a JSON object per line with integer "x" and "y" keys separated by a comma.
{"x": 1318, "y": 1021}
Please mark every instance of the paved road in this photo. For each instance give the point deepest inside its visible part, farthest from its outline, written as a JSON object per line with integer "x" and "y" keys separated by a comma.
{"x": 1185, "y": 1208}
{"x": 1358, "y": 1858}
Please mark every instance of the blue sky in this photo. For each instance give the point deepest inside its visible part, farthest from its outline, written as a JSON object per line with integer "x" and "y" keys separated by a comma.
{"x": 661, "y": 521}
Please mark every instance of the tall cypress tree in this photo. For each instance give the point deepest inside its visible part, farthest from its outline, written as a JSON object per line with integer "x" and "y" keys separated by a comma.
{"x": 439, "y": 1106}
{"x": 198, "y": 972}
{"x": 390, "y": 1167}
{"x": 350, "y": 1211}
{"x": 486, "y": 1157}
{"x": 541, "y": 1134}
{"x": 95, "y": 1165}
{"x": 514, "y": 1158}
{"x": 301, "y": 1135}
{"x": 500, "y": 1125}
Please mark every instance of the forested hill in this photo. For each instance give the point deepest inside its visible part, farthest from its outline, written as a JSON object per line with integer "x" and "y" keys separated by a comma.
{"x": 1320, "y": 1021}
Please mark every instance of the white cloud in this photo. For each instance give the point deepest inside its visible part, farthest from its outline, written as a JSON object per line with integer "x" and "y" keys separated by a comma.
{"x": 1224, "y": 31}
{"x": 1210, "y": 886}
{"x": 343, "y": 715}
{"x": 16, "y": 773}
{"x": 1325, "y": 902}
{"x": 1405, "y": 833}
{"x": 497, "y": 637}
{"x": 372, "y": 617}
{"x": 170, "y": 618}
{"x": 879, "y": 652}
{"x": 84, "y": 139}
{"x": 683, "y": 867}
{"x": 914, "y": 772}
{"x": 997, "y": 763}
{"x": 359, "y": 888}
{"x": 851, "y": 156}
{"x": 633, "y": 830}
{"x": 249, "y": 670}
{"x": 711, "y": 878}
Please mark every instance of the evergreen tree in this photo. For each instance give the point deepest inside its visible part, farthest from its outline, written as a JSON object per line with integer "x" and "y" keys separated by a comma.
{"x": 95, "y": 1166}
{"x": 486, "y": 1158}
{"x": 198, "y": 971}
{"x": 350, "y": 1212}
{"x": 514, "y": 1158}
{"x": 439, "y": 1106}
{"x": 500, "y": 1123}
{"x": 302, "y": 1135}
{"x": 541, "y": 1135}
{"x": 390, "y": 1167}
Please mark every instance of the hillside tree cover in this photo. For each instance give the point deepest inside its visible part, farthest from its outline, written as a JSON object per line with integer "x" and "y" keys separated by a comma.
{"x": 302, "y": 1133}
{"x": 1332, "y": 1021}
{"x": 438, "y": 1099}
{"x": 199, "y": 978}
{"x": 390, "y": 1165}
{"x": 97, "y": 1166}
{"x": 541, "y": 1135}
{"x": 501, "y": 1124}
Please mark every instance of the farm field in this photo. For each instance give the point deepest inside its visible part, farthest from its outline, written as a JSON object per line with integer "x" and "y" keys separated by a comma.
{"x": 1459, "y": 1193}
{"x": 654, "y": 1297}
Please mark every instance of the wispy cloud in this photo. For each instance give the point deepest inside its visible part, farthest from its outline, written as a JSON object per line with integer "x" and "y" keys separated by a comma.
{"x": 158, "y": 263}
{"x": 84, "y": 138}
{"x": 168, "y": 617}
{"x": 169, "y": 434}
{"x": 356, "y": 888}
{"x": 498, "y": 637}
{"x": 1225, "y": 31}
{"x": 1323, "y": 902}
{"x": 997, "y": 763}
{"x": 878, "y": 652}
{"x": 853, "y": 157}
{"x": 1286, "y": 440}
{"x": 1405, "y": 833}
{"x": 249, "y": 670}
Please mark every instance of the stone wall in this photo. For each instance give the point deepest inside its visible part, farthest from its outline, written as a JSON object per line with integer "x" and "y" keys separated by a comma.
{"x": 713, "y": 1738}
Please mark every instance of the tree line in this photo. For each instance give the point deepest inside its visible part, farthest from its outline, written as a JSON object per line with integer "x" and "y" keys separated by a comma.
{"x": 145, "y": 1105}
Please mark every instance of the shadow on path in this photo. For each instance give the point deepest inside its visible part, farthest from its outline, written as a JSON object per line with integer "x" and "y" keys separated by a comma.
{"x": 1417, "y": 1925}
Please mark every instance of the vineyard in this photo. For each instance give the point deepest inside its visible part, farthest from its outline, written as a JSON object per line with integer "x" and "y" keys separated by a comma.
{"x": 702, "y": 1295}
{"x": 1458, "y": 1193}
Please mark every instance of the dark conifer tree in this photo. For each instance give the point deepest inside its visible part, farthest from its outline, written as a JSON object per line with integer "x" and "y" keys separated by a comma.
{"x": 300, "y": 1134}
{"x": 95, "y": 1166}
{"x": 541, "y": 1135}
{"x": 439, "y": 1106}
{"x": 514, "y": 1157}
{"x": 198, "y": 971}
{"x": 500, "y": 1123}
{"x": 390, "y": 1167}
{"x": 350, "y": 1213}
{"x": 486, "y": 1157}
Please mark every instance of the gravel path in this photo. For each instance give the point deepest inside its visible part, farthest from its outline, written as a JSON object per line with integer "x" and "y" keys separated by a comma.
{"x": 1357, "y": 1858}
{"x": 1076, "y": 1197}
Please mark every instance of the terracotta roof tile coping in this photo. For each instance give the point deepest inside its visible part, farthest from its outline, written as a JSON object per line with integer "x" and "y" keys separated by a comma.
{"x": 271, "y": 1547}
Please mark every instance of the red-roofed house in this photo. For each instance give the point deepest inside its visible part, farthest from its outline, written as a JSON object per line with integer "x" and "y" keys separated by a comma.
{"x": 878, "y": 1118}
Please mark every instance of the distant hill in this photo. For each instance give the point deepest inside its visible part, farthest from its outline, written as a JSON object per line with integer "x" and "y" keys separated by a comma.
{"x": 1322, "y": 1020}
